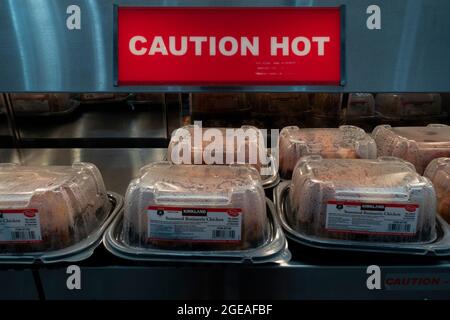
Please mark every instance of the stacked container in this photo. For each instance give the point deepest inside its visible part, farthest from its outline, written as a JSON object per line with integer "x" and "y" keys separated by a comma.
{"x": 439, "y": 173}
{"x": 409, "y": 109}
{"x": 418, "y": 145}
{"x": 195, "y": 140}
{"x": 343, "y": 142}
{"x": 246, "y": 145}
{"x": 360, "y": 111}
{"x": 326, "y": 110}
{"x": 43, "y": 209}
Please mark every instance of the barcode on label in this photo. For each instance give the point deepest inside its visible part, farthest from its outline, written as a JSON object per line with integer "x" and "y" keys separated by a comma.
{"x": 223, "y": 234}
{"x": 23, "y": 235}
{"x": 399, "y": 227}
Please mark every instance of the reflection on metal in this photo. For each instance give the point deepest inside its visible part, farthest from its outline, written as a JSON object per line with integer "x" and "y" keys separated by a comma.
{"x": 9, "y": 156}
{"x": 323, "y": 278}
{"x": 38, "y": 52}
{"x": 11, "y": 129}
{"x": 114, "y": 120}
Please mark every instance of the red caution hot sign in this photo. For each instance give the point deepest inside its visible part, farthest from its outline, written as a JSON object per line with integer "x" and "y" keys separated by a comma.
{"x": 229, "y": 46}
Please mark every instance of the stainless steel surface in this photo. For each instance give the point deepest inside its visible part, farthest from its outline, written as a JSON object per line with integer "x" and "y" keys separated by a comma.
{"x": 77, "y": 252}
{"x": 6, "y": 123}
{"x": 38, "y": 52}
{"x": 118, "y": 166}
{"x": 98, "y": 122}
{"x": 274, "y": 250}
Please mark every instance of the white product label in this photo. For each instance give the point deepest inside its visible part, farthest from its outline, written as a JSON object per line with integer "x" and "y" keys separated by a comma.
{"x": 372, "y": 218}
{"x": 20, "y": 225}
{"x": 194, "y": 224}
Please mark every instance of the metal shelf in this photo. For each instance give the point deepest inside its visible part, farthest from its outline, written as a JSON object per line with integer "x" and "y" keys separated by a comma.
{"x": 105, "y": 277}
{"x": 406, "y": 55}
{"x": 312, "y": 274}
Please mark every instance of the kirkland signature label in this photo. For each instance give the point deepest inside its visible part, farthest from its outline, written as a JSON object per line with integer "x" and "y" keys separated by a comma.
{"x": 370, "y": 218}
{"x": 194, "y": 224}
{"x": 20, "y": 225}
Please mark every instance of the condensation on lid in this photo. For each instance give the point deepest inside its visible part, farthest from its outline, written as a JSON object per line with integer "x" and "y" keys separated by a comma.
{"x": 361, "y": 173}
{"x": 250, "y": 132}
{"x": 23, "y": 180}
{"x": 198, "y": 178}
{"x": 439, "y": 164}
{"x": 325, "y": 136}
{"x": 429, "y": 134}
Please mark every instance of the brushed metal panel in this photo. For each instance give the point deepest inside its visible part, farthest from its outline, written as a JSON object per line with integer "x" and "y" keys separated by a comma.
{"x": 9, "y": 155}
{"x": 38, "y": 52}
{"x": 103, "y": 122}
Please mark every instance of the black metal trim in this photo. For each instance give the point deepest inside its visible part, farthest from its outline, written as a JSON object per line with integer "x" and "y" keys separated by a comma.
{"x": 343, "y": 46}
{"x": 115, "y": 45}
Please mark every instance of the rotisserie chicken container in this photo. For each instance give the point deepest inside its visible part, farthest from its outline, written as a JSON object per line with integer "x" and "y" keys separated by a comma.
{"x": 52, "y": 213}
{"x": 276, "y": 104}
{"x": 359, "y": 105}
{"x": 361, "y": 204}
{"x": 360, "y": 111}
{"x": 343, "y": 142}
{"x": 198, "y": 213}
{"x": 245, "y": 145}
{"x": 326, "y": 110}
{"x": 408, "y": 105}
{"x": 30, "y": 104}
{"x": 438, "y": 171}
{"x": 326, "y": 104}
{"x": 412, "y": 109}
{"x": 418, "y": 145}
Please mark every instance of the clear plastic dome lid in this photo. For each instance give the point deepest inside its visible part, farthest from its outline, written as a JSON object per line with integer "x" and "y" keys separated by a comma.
{"x": 194, "y": 144}
{"x": 438, "y": 171}
{"x": 418, "y": 145}
{"x": 195, "y": 206}
{"x": 408, "y": 104}
{"x": 49, "y": 208}
{"x": 362, "y": 199}
{"x": 343, "y": 142}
